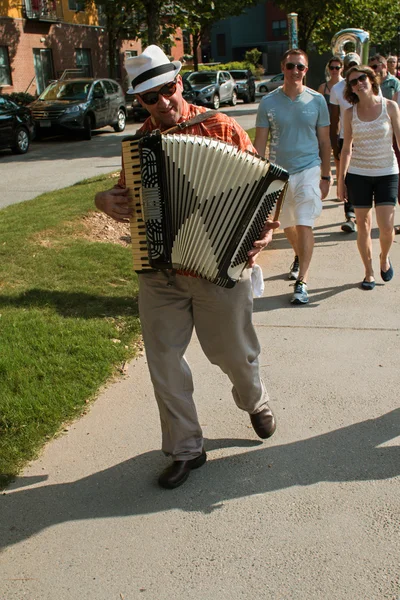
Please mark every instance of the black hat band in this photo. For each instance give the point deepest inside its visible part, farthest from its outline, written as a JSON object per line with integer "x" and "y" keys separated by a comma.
{"x": 153, "y": 73}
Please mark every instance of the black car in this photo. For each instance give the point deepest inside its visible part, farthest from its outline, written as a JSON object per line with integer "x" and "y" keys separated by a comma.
{"x": 16, "y": 126}
{"x": 79, "y": 105}
{"x": 245, "y": 83}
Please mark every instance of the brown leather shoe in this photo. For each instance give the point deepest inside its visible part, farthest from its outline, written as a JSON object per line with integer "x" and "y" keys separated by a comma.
{"x": 264, "y": 423}
{"x": 177, "y": 473}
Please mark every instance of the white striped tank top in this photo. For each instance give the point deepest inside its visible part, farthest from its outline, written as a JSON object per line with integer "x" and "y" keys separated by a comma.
{"x": 373, "y": 153}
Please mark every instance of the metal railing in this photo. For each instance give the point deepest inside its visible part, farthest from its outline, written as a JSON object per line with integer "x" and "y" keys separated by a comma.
{"x": 43, "y": 10}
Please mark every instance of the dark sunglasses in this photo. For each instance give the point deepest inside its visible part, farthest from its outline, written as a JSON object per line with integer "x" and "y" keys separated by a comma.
{"x": 167, "y": 90}
{"x": 331, "y": 68}
{"x": 376, "y": 66}
{"x": 353, "y": 82}
{"x": 299, "y": 66}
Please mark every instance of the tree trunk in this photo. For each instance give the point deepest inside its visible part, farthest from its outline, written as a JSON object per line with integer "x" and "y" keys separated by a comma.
{"x": 111, "y": 53}
{"x": 153, "y": 21}
{"x": 195, "y": 45}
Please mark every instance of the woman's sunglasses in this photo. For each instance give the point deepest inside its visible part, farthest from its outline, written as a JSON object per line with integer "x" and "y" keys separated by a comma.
{"x": 299, "y": 66}
{"x": 167, "y": 90}
{"x": 331, "y": 68}
{"x": 353, "y": 82}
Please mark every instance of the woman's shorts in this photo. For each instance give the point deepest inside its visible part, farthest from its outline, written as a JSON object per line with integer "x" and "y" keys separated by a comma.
{"x": 362, "y": 190}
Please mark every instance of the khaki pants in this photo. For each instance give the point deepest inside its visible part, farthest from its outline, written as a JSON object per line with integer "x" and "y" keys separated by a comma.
{"x": 169, "y": 309}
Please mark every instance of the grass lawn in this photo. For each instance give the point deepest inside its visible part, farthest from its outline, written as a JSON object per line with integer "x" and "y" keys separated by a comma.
{"x": 68, "y": 317}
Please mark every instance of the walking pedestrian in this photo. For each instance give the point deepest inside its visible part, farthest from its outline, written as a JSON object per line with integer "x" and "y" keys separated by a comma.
{"x": 172, "y": 304}
{"x": 338, "y": 104}
{"x": 333, "y": 72}
{"x": 297, "y": 119}
{"x": 392, "y": 65}
{"x": 368, "y": 166}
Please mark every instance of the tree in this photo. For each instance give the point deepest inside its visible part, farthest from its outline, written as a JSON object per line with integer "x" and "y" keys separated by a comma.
{"x": 122, "y": 20}
{"x": 197, "y": 16}
{"x": 318, "y": 20}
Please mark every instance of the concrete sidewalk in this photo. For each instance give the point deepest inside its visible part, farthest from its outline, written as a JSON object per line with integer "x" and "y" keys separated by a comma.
{"x": 313, "y": 513}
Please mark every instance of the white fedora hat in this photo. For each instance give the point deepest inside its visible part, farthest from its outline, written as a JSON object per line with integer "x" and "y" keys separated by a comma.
{"x": 150, "y": 69}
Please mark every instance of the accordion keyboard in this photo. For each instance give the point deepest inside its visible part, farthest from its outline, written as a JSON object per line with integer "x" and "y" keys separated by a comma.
{"x": 131, "y": 159}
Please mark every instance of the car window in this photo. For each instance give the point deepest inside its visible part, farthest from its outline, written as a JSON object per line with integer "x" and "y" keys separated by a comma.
{"x": 70, "y": 90}
{"x": 98, "y": 88}
{"x": 222, "y": 78}
{"x": 239, "y": 74}
{"x": 115, "y": 86}
{"x": 109, "y": 87}
{"x": 6, "y": 104}
{"x": 205, "y": 77}
{"x": 278, "y": 77}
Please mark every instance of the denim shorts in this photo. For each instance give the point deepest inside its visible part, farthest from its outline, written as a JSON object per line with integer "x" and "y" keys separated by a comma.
{"x": 363, "y": 190}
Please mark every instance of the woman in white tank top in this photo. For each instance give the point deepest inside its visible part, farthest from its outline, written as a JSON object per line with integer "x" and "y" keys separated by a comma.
{"x": 368, "y": 166}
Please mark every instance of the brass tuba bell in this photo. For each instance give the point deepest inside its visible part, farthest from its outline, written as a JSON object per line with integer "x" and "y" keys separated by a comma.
{"x": 358, "y": 37}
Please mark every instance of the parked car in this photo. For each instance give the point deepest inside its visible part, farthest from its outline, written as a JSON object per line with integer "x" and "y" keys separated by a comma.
{"x": 264, "y": 86}
{"x": 16, "y": 126}
{"x": 245, "y": 83}
{"x": 79, "y": 105}
{"x": 213, "y": 88}
{"x": 139, "y": 112}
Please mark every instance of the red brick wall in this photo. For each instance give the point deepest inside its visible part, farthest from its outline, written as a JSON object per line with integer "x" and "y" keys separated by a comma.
{"x": 21, "y": 37}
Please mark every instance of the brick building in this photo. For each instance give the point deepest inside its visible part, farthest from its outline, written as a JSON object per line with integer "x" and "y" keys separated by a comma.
{"x": 39, "y": 39}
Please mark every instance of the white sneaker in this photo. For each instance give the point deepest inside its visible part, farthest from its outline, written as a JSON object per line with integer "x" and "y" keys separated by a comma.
{"x": 300, "y": 295}
{"x": 294, "y": 269}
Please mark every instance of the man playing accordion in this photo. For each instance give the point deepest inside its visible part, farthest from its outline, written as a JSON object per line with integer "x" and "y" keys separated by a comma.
{"x": 172, "y": 303}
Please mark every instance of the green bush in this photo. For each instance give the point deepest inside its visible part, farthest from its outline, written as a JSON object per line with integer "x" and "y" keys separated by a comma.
{"x": 225, "y": 67}
{"x": 21, "y": 98}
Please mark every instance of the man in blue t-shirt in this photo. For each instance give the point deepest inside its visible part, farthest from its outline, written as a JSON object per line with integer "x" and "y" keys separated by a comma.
{"x": 297, "y": 120}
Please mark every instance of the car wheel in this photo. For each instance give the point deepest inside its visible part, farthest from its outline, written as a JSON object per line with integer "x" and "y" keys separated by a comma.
{"x": 21, "y": 141}
{"x": 215, "y": 101}
{"x": 120, "y": 124}
{"x": 262, "y": 89}
{"x": 233, "y": 101}
{"x": 87, "y": 128}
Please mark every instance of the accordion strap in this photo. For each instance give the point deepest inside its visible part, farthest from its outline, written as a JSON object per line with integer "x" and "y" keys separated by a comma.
{"x": 193, "y": 121}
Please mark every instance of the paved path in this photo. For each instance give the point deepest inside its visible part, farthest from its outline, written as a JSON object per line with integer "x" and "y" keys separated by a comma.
{"x": 311, "y": 514}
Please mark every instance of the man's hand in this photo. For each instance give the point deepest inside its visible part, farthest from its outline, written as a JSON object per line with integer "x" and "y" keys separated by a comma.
{"x": 324, "y": 186}
{"x": 265, "y": 238}
{"x": 116, "y": 203}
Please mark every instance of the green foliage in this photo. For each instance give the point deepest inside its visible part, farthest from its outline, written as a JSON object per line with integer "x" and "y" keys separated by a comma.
{"x": 21, "y": 98}
{"x": 224, "y": 66}
{"x": 253, "y": 56}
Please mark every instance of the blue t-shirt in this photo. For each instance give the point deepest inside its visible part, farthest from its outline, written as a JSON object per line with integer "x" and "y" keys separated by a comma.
{"x": 293, "y": 127}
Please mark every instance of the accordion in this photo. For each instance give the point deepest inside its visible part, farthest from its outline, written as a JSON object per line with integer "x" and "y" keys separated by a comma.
{"x": 199, "y": 203}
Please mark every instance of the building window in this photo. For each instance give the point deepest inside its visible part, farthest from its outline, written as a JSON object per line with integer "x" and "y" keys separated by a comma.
{"x": 5, "y": 73}
{"x": 187, "y": 46}
{"x": 76, "y": 5}
{"x": 221, "y": 44}
{"x": 279, "y": 28}
{"x": 83, "y": 61}
{"x": 130, "y": 53}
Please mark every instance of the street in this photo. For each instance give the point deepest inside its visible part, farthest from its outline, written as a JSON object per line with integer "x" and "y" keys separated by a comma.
{"x": 60, "y": 162}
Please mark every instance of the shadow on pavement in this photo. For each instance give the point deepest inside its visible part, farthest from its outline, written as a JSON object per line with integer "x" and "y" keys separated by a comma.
{"x": 129, "y": 488}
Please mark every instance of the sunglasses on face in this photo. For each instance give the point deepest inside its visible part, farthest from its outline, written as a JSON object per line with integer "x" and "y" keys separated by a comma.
{"x": 353, "y": 82}
{"x": 332, "y": 68}
{"x": 300, "y": 67}
{"x": 167, "y": 91}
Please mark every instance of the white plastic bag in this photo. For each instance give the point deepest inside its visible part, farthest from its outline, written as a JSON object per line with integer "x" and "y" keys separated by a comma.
{"x": 257, "y": 281}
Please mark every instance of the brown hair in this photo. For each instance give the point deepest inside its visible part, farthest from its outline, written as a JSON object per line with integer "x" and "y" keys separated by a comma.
{"x": 334, "y": 59}
{"x": 378, "y": 58}
{"x": 296, "y": 52}
{"x": 352, "y": 97}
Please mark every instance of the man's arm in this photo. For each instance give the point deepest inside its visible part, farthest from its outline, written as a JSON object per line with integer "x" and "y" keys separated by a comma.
{"x": 325, "y": 155}
{"x": 260, "y": 142}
